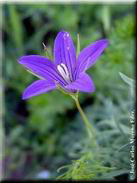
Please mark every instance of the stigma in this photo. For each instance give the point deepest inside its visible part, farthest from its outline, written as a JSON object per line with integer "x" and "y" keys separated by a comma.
{"x": 64, "y": 72}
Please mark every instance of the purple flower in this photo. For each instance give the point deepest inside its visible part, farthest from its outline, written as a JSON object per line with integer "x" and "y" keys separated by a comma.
{"x": 67, "y": 71}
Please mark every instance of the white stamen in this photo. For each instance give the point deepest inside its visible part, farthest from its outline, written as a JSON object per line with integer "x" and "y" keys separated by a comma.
{"x": 65, "y": 68}
{"x": 67, "y": 34}
{"x": 64, "y": 72}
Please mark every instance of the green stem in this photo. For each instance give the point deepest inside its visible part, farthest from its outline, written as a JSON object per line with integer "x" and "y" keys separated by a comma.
{"x": 89, "y": 127}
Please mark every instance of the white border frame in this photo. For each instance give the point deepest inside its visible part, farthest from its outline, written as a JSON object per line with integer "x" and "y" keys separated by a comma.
{"x": 1, "y": 51}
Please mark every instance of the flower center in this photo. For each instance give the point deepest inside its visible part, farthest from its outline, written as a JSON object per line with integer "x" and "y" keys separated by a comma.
{"x": 64, "y": 72}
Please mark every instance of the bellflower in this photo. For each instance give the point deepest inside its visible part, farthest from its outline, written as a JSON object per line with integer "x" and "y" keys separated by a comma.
{"x": 66, "y": 71}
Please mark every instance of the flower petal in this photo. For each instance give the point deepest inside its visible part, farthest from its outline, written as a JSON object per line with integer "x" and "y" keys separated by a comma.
{"x": 64, "y": 51}
{"x": 43, "y": 67}
{"x": 37, "y": 88}
{"x": 90, "y": 54}
{"x": 83, "y": 83}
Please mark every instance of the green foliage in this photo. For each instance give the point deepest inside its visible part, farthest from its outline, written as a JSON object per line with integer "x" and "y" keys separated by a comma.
{"x": 111, "y": 157}
{"x": 86, "y": 168}
{"x": 130, "y": 82}
{"x": 47, "y": 131}
{"x": 16, "y": 28}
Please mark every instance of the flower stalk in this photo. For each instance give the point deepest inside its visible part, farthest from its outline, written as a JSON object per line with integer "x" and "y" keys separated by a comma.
{"x": 90, "y": 129}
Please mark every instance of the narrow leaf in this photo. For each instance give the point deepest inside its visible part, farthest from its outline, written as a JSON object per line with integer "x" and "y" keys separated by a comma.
{"x": 78, "y": 45}
{"x": 130, "y": 82}
{"x": 127, "y": 80}
{"x": 16, "y": 27}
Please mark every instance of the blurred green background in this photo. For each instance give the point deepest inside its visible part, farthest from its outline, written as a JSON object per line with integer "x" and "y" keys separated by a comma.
{"x": 44, "y": 133}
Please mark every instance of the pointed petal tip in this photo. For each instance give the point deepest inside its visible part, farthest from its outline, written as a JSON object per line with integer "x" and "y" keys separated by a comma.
{"x": 103, "y": 41}
{"x": 63, "y": 33}
{"x": 64, "y": 51}
{"x": 23, "y": 59}
{"x": 24, "y": 98}
{"x": 62, "y": 30}
{"x": 20, "y": 60}
{"x": 25, "y": 95}
{"x": 60, "y": 33}
{"x": 89, "y": 55}
{"x": 106, "y": 41}
{"x": 38, "y": 87}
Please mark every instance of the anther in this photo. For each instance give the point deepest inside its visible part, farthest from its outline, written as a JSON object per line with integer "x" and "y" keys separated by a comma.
{"x": 64, "y": 72}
